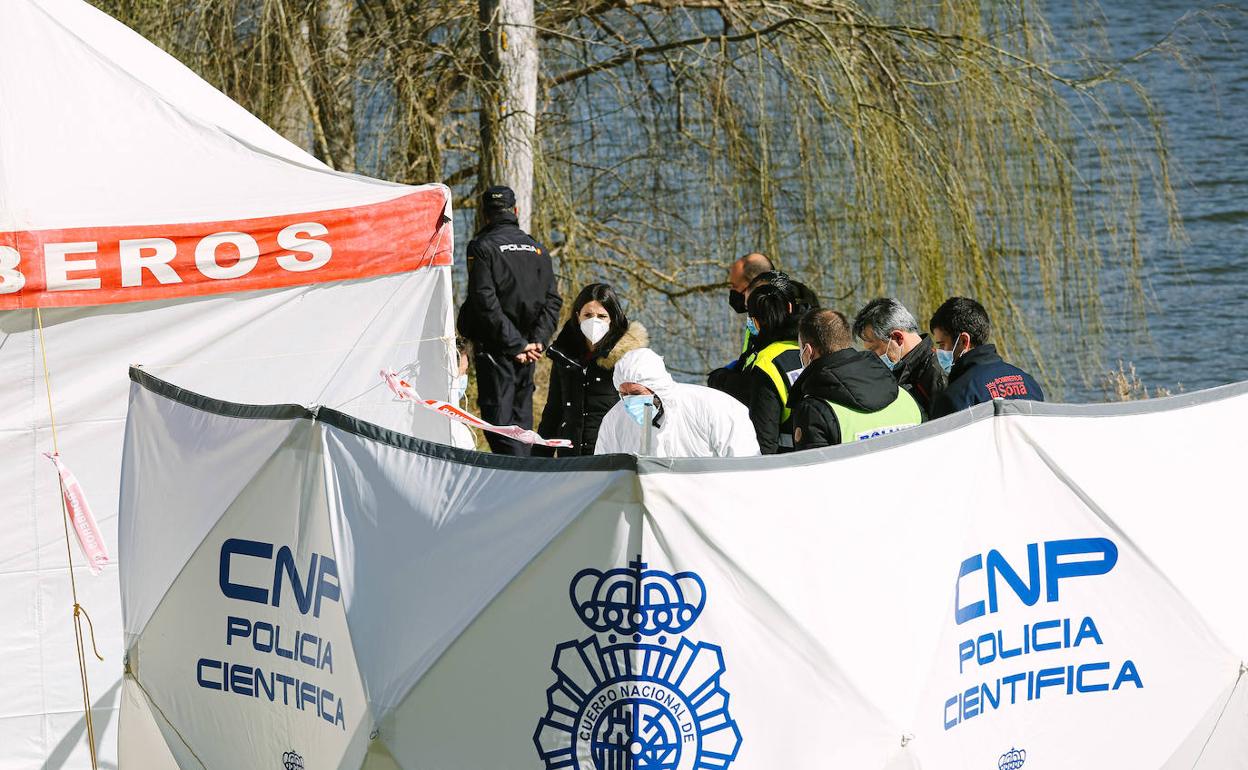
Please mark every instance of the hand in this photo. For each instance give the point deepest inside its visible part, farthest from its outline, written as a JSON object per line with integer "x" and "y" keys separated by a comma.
{"x": 528, "y": 355}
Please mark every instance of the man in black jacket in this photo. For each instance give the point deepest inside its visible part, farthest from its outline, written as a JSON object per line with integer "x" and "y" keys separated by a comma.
{"x": 960, "y": 331}
{"x": 510, "y": 314}
{"x": 888, "y": 330}
{"x": 730, "y": 378}
{"x": 843, "y": 395}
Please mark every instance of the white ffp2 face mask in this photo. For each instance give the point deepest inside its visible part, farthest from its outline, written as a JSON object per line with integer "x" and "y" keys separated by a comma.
{"x": 594, "y": 329}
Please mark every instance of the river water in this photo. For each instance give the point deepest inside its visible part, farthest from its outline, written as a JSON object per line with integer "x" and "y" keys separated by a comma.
{"x": 1196, "y": 288}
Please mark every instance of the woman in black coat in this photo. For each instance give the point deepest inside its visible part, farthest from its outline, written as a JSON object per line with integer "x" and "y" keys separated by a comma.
{"x": 595, "y": 337}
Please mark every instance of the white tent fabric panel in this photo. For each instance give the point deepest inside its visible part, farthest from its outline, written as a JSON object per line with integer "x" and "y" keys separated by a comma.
{"x": 402, "y": 508}
{"x": 209, "y": 447}
{"x": 143, "y": 736}
{"x": 126, "y": 158}
{"x": 860, "y": 574}
{"x": 893, "y": 544}
{"x": 266, "y": 515}
{"x": 254, "y": 347}
{"x": 1169, "y": 491}
{"x": 1221, "y": 738}
{"x": 157, "y": 72}
{"x": 115, "y": 132}
{"x": 744, "y": 613}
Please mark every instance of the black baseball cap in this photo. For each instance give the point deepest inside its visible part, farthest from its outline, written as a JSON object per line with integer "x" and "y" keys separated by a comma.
{"x": 499, "y": 197}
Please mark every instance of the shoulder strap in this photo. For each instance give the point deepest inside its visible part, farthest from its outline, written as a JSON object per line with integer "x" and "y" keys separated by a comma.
{"x": 766, "y": 360}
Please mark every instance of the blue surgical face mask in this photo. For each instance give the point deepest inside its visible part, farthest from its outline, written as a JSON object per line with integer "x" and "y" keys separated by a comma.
{"x": 458, "y": 388}
{"x": 636, "y": 407}
{"x": 945, "y": 359}
{"x": 751, "y": 327}
{"x": 890, "y": 363}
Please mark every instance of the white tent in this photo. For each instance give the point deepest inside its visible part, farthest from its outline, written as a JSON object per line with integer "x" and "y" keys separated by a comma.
{"x": 1047, "y": 586}
{"x": 152, "y": 220}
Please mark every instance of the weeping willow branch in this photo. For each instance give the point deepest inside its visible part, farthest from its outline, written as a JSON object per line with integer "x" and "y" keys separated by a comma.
{"x": 639, "y": 53}
{"x": 910, "y": 148}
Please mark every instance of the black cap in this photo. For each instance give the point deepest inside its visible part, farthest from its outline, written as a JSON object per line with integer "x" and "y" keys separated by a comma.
{"x": 498, "y": 197}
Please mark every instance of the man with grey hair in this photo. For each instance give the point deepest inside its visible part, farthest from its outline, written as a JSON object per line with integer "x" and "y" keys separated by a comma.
{"x": 889, "y": 330}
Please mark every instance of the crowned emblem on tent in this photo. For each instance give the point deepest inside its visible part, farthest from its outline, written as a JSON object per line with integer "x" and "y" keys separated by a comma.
{"x": 637, "y": 694}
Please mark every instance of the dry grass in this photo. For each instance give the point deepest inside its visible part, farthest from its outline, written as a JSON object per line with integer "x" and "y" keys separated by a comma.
{"x": 1123, "y": 384}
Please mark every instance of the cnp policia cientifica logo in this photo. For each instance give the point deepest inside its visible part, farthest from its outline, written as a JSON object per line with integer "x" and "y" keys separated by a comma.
{"x": 631, "y": 704}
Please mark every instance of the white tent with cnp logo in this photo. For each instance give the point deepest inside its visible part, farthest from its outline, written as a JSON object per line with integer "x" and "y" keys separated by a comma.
{"x": 146, "y": 218}
{"x": 1016, "y": 586}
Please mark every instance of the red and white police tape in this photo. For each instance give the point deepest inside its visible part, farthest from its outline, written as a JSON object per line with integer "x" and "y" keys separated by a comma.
{"x": 406, "y": 392}
{"x": 80, "y": 515}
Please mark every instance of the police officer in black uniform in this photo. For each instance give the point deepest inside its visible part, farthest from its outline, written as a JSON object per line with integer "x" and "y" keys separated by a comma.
{"x": 510, "y": 314}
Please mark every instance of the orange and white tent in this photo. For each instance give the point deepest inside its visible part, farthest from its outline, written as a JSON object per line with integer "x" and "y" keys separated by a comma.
{"x": 145, "y": 218}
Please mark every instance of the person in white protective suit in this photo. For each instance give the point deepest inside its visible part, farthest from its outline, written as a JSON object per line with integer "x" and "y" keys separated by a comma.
{"x": 686, "y": 420}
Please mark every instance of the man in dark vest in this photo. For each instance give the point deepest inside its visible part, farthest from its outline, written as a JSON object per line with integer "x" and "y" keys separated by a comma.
{"x": 960, "y": 331}
{"x": 843, "y": 395}
{"x": 510, "y": 314}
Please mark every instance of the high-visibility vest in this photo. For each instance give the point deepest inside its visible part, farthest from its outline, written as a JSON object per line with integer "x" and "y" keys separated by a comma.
{"x": 903, "y": 413}
{"x": 781, "y": 362}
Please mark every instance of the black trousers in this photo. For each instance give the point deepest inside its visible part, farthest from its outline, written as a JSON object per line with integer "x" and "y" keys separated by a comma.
{"x": 505, "y": 397}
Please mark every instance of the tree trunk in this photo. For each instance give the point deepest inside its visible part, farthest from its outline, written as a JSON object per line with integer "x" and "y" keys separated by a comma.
{"x": 334, "y": 82}
{"x": 508, "y": 99}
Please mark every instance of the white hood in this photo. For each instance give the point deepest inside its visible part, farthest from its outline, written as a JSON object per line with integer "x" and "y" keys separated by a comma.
{"x": 696, "y": 421}
{"x": 644, "y": 367}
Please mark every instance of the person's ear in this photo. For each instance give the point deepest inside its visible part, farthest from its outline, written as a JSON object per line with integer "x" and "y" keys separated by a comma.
{"x": 965, "y": 340}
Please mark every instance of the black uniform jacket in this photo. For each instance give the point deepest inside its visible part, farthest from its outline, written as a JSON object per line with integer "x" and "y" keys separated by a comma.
{"x": 764, "y": 402}
{"x": 980, "y": 375}
{"x": 512, "y": 296}
{"x": 581, "y": 388}
{"x": 852, "y": 378}
{"x": 733, "y": 379}
{"x": 919, "y": 372}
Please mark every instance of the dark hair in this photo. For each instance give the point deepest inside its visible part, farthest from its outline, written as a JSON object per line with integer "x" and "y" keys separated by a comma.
{"x": 773, "y": 309}
{"x": 827, "y": 331}
{"x": 777, "y": 278}
{"x": 604, "y": 294}
{"x": 803, "y": 299}
{"x": 960, "y": 314}
{"x": 884, "y": 315}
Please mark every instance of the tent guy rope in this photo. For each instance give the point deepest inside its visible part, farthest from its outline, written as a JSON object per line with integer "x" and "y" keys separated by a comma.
{"x": 79, "y": 612}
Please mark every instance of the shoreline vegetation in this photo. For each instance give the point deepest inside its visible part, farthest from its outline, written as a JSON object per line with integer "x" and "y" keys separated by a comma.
{"x": 908, "y": 149}
{"x": 1123, "y": 384}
